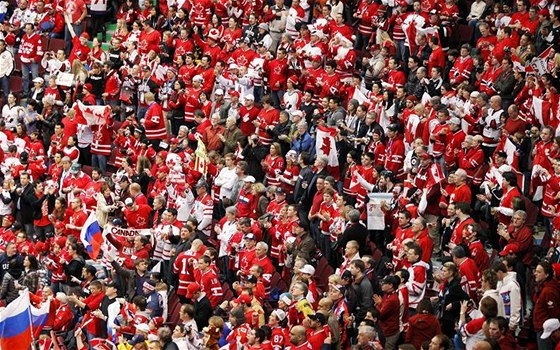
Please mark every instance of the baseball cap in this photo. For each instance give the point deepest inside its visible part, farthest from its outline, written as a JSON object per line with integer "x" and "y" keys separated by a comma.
{"x": 550, "y": 326}
{"x": 308, "y": 269}
{"x": 280, "y": 314}
{"x": 143, "y": 327}
{"x": 243, "y": 299}
{"x": 318, "y": 317}
{"x": 251, "y": 279}
{"x": 128, "y": 202}
{"x": 219, "y": 92}
{"x": 280, "y": 190}
{"x": 191, "y": 289}
{"x": 75, "y": 168}
{"x": 454, "y": 120}
{"x": 250, "y": 236}
{"x": 137, "y": 339}
{"x": 63, "y": 298}
{"x": 249, "y": 178}
{"x": 286, "y": 298}
{"x": 511, "y": 248}
{"x": 39, "y": 80}
{"x": 392, "y": 280}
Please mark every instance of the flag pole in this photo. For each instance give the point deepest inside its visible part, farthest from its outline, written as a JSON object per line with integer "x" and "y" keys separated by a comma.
{"x": 30, "y": 320}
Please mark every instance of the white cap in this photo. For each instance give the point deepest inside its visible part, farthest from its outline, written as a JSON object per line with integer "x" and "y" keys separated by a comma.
{"x": 503, "y": 168}
{"x": 39, "y": 80}
{"x": 475, "y": 94}
{"x": 454, "y": 120}
{"x": 219, "y": 92}
{"x": 62, "y": 297}
{"x": 128, "y": 201}
{"x": 250, "y": 179}
{"x": 233, "y": 66}
{"x": 550, "y": 326}
{"x": 279, "y": 313}
{"x": 143, "y": 327}
{"x": 250, "y": 97}
{"x": 198, "y": 78}
{"x": 308, "y": 269}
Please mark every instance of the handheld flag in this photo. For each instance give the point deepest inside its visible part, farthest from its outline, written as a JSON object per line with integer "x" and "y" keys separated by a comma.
{"x": 201, "y": 158}
{"x": 93, "y": 115}
{"x": 20, "y": 321}
{"x": 326, "y": 146}
{"x": 92, "y": 236}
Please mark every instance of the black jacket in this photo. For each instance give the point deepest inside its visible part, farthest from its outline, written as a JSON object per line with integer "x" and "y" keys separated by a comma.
{"x": 25, "y": 203}
{"x": 202, "y": 312}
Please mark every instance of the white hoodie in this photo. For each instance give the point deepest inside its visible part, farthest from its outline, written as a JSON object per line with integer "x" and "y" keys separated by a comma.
{"x": 510, "y": 291}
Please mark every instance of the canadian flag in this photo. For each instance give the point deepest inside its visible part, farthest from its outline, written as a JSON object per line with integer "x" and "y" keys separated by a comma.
{"x": 326, "y": 146}
{"x": 93, "y": 115}
{"x": 541, "y": 111}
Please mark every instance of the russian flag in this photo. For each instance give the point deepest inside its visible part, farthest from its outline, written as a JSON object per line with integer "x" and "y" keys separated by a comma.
{"x": 18, "y": 320}
{"x": 92, "y": 236}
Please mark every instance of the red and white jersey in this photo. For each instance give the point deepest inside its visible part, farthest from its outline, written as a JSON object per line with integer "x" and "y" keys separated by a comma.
{"x": 162, "y": 232}
{"x": 72, "y": 152}
{"x": 154, "y": 122}
{"x": 101, "y": 143}
{"x": 416, "y": 284}
{"x": 210, "y": 285}
{"x": 31, "y": 48}
{"x": 202, "y": 211}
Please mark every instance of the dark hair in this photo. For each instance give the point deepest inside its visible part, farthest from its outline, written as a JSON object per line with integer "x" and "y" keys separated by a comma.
{"x": 464, "y": 207}
{"x": 359, "y": 264}
{"x": 90, "y": 269}
{"x": 33, "y": 263}
{"x": 140, "y": 302}
{"x": 510, "y": 177}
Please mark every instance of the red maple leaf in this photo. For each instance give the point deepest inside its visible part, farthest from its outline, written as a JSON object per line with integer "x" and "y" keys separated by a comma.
{"x": 326, "y": 146}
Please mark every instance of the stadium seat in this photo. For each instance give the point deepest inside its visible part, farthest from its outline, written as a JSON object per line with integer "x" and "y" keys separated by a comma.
{"x": 56, "y": 44}
{"x": 16, "y": 84}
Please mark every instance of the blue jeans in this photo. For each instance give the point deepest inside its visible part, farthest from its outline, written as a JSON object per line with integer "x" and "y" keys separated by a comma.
{"x": 5, "y": 81}
{"x": 99, "y": 161}
{"x": 27, "y": 68}
{"x": 277, "y": 97}
{"x": 141, "y": 113}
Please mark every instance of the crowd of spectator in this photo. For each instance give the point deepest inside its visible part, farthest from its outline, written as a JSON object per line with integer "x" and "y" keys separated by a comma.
{"x": 227, "y": 223}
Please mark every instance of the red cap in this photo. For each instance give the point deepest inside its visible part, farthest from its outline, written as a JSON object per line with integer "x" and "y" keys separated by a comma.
{"x": 243, "y": 299}
{"x": 162, "y": 154}
{"x": 9, "y": 217}
{"x": 59, "y": 224}
{"x": 316, "y": 58}
{"x": 85, "y": 35}
{"x": 88, "y": 87}
{"x": 191, "y": 289}
{"x": 174, "y": 140}
{"x": 544, "y": 12}
{"x": 425, "y": 155}
{"x": 158, "y": 321}
{"x": 293, "y": 79}
{"x": 511, "y": 248}
{"x": 234, "y": 93}
{"x": 60, "y": 241}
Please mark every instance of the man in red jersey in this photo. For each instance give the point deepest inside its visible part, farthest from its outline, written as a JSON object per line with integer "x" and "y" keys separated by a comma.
{"x": 136, "y": 214}
{"x": 78, "y": 218}
{"x": 298, "y": 339}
